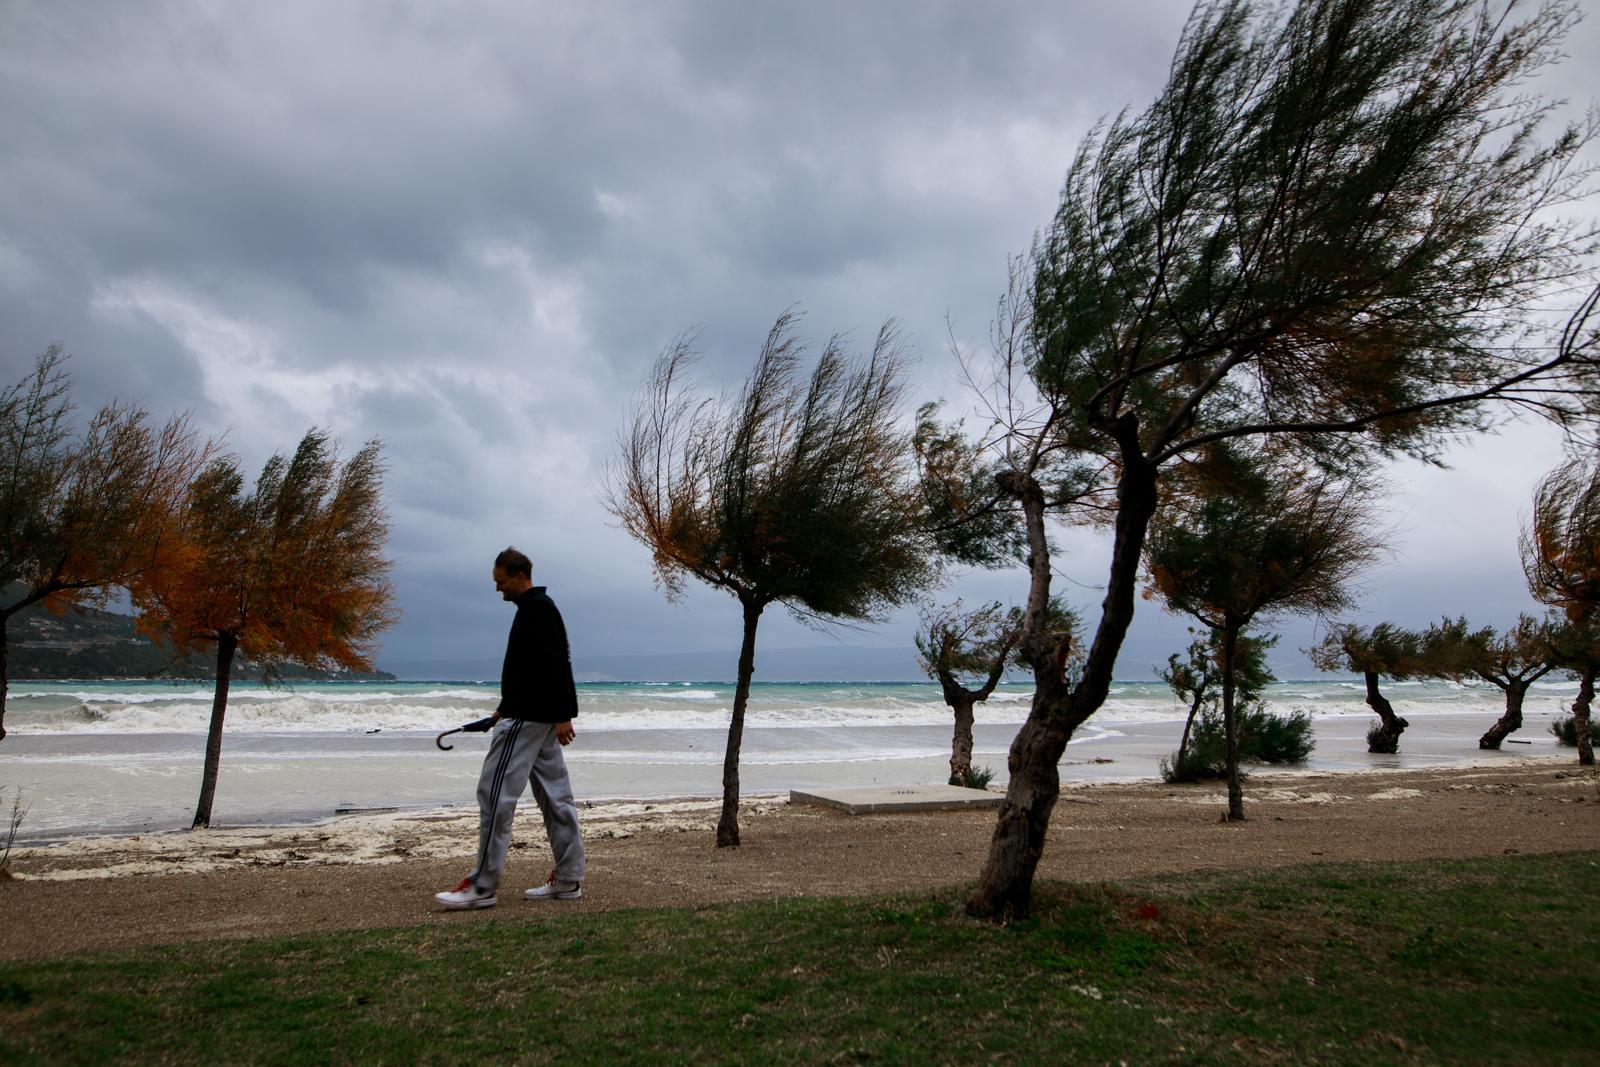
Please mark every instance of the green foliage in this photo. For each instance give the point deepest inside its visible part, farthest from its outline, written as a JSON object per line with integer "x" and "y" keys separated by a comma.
{"x": 1205, "y": 756}
{"x": 1561, "y": 560}
{"x": 969, "y": 518}
{"x": 969, "y": 647}
{"x": 1264, "y": 737}
{"x": 1565, "y": 729}
{"x": 8, "y": 836}
{"x": 1197, "y": 681}
{"x": 975, "y": 778}
{"x": 1320, "y": 221}
{"x": 1384, "y": 649}
{"x": 1279, "y": 738}
{"x": 1245, "y": 533}
{"x": 1523, "y": 654}
{"x": 1335, "y": 227}
{"x": 796, "y": 492}
{"x": 1380, "y": 740}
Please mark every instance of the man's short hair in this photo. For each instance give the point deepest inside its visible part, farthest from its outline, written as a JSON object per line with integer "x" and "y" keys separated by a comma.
{"x": 514, "y": 563}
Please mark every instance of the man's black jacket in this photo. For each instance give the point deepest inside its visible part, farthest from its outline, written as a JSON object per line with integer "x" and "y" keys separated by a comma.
{"x": 536, "y": 681}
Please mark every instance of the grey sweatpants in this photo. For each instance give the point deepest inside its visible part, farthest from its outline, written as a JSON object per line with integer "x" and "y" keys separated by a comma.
{"x": 521, "y": 753}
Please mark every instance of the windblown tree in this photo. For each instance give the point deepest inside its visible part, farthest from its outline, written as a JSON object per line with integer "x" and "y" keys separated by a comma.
{"x": 1196, "y": 679}
{"x": 1510, "y": 661}
{"x": 1332, "y": 226}
{"x": 1561, "y": 558}
{"x": 290, "y": 570}
{"x": 1384, "y": 651}
{"x": 81, "y": 514}
{"x": 967, "y": 651}
{"x": 796, "y": 492}
{"x": 1246, "y": 536}
{"x": 969, "y": 520}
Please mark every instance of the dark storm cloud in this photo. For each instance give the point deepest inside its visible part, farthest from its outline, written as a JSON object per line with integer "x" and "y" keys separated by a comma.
{"x": 466, "y": 230}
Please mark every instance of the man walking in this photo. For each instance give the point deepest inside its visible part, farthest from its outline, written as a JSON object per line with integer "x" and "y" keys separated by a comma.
{"x": 538, "y": 701}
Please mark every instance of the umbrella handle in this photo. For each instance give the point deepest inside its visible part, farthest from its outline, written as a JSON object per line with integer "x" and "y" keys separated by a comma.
{"x": 440, "y": 739}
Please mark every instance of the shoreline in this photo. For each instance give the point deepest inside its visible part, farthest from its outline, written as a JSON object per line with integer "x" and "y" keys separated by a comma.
{"x": 602, "y": 806}
{"x": 392, "y": 835}
{"x": 109, "y": 785}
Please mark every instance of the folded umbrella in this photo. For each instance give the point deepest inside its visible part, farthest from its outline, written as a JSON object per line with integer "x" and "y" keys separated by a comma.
{"x": 480, "y": 726}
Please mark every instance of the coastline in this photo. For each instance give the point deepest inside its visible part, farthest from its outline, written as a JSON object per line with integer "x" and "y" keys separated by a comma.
{"x": 391, "y": 835}
{"x": 110, "y": 784}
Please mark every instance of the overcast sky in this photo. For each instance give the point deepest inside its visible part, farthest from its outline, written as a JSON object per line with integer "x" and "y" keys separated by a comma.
{"x": 466, "y": 229}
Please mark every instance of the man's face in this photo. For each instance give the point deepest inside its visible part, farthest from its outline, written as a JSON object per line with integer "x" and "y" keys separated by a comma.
{"x": 509, "y": 586}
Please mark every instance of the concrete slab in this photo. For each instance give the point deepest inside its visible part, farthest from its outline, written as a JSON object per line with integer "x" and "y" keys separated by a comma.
{"x": 897, "y": 798}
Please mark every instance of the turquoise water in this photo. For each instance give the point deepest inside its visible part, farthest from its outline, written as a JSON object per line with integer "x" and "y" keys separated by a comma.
{"x": 123, "y": 707}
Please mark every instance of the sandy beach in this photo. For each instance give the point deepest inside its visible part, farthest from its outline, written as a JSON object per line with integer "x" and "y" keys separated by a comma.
{"x": 380, "y": 870}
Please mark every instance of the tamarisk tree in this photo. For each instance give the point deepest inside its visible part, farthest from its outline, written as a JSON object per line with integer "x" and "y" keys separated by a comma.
{"x": 967, "y": 651}
{"x": 1561, "y": 558}
{"x": 289, "y": 570}
{"x": 1383, "y": 651}
{"x": 1511, "y": 662}
{"x": 1196, "y": 679}
{"x": 1332, "y": 226}
{"x": 797, "y": 492}
{"x": 1247, "y": 537}
{"x": 81, "y": 514}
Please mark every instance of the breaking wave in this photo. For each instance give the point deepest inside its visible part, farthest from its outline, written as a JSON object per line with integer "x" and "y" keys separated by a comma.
{"x": 161, "y": 707}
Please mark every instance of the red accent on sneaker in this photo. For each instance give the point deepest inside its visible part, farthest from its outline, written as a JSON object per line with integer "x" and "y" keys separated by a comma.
{"x": 466, "y": 884}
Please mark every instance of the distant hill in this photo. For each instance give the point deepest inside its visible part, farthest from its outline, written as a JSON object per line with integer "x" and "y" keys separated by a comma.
{"x": 89, "y": 643}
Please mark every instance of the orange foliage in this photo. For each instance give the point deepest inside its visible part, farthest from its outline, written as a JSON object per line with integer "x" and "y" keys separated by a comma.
{"x": 293, "y": 571}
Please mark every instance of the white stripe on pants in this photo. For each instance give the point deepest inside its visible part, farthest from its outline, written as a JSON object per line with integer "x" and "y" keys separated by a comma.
{"x": 521, "y": 753}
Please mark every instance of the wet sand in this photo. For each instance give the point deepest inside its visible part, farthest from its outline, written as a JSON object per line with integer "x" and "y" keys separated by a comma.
{"x": 380, "y": 870}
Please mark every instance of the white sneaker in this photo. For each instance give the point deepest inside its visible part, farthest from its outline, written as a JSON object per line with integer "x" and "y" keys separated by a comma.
{"x": 554, "y": 890}
{"x": 466, "y": 895}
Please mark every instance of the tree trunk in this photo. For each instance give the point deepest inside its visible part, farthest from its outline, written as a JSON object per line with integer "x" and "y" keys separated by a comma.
{"x": 5, "y": 672}
{"x": 1005, "y": 887}
{"x": 226, "y": 644}
{"x": 1580, "y": 716}
{"x": 1387, "y": 737}
{"x": 1512, "y": 719}
{"x": 1230, "y": 726}
{"x": 1188, "y": 728}
{"x": 728, "y": 824}
{"x": 961, "y": 742}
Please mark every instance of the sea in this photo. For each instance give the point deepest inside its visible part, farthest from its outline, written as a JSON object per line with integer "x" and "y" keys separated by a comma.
{"x": 125, "y": 756}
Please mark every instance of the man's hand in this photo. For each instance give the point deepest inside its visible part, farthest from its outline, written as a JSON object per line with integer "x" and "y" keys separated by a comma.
{"x": 565, "y": 733}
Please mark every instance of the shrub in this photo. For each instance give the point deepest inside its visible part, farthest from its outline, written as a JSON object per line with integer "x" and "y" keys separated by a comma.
{"x": 974, "y": 778}
{"x": 1380, "y": 741}
{"x": 1277, "y": 738}
{"x": 1263, "y": 738}
{"x": 18, "y": 813}
{"x": 1566, "y": 730}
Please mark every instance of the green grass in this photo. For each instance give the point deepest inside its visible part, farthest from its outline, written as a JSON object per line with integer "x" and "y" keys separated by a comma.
{"x": 1478, "y": 961}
